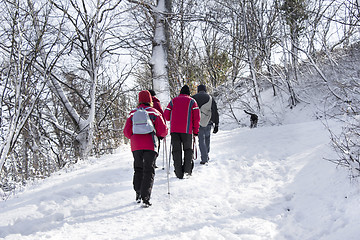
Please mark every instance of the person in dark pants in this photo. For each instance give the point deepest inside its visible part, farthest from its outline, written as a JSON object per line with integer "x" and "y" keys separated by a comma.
{"x": 209, "y": 117}
{"x": 144, "y": 149}
{"x": 182, "y": 142}
{"x": 184, "y": 116}
{"x": 144, "y": 173}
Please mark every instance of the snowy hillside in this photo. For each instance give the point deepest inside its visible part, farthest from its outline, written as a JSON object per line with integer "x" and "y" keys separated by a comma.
{"x": 261, "y": 184}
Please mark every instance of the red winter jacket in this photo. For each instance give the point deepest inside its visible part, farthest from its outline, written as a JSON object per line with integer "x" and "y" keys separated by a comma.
{"x": 183, "y": 114}
{"x": 157, "y": 105}
{"x": 146, "y": 141}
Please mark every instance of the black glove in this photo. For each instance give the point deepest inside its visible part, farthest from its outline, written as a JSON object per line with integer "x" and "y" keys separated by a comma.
{"x": 216, "y": 129}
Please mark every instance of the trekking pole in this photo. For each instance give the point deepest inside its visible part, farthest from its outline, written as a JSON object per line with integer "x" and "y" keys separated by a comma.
{"x": 168, "y": 170}
{"x": 194, "y": 148}
{"x": 164, "y": 153}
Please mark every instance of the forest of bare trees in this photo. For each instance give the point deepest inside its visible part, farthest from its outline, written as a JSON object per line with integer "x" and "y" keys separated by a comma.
{"x": 70, "y": 69}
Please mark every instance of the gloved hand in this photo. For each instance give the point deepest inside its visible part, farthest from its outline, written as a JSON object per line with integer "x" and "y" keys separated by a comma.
{"x": 216, "y": 129}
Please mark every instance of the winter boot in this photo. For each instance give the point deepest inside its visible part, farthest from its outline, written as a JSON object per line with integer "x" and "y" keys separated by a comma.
{"x": 138, "y": 198}
{"x": 146, "y": 203}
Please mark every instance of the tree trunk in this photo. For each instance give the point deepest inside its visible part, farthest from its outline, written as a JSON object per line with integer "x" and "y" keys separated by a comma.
{"x": 293, "y": 99}
{"x": 251, "y": 61}
{"x": 159, "y": 59}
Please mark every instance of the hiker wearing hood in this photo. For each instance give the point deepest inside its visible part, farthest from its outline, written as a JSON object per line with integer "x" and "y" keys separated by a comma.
{"x": 156, "y": 102}
{"x": 143, "y": 144}
{"x": 209, "y": 117}
{"x": 184, "y": 116}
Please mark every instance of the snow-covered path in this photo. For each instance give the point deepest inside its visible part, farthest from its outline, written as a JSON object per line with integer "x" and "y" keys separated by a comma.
{"x": 264, "y": 183}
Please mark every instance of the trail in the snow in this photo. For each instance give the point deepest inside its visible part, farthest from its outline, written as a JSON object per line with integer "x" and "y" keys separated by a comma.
{"x": 264, "y": 183}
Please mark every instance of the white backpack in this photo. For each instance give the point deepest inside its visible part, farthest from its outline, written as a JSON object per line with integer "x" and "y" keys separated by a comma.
{"x": 142, "y": 123}
{"x": 205, "y": 112}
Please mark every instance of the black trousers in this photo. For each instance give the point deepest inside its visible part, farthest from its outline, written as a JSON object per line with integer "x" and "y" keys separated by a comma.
{"x": 182, "y": 142}
{"x": 144, "y": 172}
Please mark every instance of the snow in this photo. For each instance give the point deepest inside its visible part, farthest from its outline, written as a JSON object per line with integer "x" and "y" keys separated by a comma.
{"x": 271, "y": 182}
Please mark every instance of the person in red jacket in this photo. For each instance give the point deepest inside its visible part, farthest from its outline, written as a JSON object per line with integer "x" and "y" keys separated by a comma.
{"x": 144, "y": 149}
{"x": 156, "y": 102}
{"x": 184, "y": 116}
{"x": 157, "y": 106}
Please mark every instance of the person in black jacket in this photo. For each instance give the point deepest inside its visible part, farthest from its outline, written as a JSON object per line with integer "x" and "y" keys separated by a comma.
{"x": 209, "y": 117}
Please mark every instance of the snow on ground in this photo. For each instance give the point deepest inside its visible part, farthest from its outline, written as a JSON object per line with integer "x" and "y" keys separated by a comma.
{"x": 261, "y": 184}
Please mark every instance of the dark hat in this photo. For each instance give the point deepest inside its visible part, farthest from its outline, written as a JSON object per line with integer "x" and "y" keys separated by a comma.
{"x": 145, "y": 97}
{"x": 185, "y": 90}
{"x": 152, "y": 92}
{"x": 201, "y": 87}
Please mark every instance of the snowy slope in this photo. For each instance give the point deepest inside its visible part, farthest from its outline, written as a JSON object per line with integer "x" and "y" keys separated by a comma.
{"x": 264, "y": 183}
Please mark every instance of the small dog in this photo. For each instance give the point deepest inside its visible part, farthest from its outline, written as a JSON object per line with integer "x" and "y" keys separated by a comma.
{"x": 253, "y": 119}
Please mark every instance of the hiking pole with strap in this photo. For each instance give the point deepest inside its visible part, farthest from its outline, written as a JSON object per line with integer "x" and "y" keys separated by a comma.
{"x": 194, "y": 148}
{"x": 168, "y": 169}
{"x": 164, "y": 153}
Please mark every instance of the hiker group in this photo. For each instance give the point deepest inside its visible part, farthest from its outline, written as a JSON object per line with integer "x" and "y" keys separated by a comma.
{"x": 189, "y": 117}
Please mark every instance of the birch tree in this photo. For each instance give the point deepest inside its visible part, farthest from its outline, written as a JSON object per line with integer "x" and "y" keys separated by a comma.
{"x": 89, "y": 24}
{"x": 61, "y": 84}
{"x": 160, "y": 46}
{"x": 20, "y": 86}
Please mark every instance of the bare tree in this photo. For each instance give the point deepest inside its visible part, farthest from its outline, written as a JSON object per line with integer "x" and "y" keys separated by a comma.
{"x": 160, "y": 46}
{"x": 287, "y": 54}
{"x": 295, "y": 14}
{"x": 251, "y": 50}
{"x": 342, "y": 104}
{"x": 21, "y": 87}
{"x": 58, "y": 91}
{"x": 89, "y": 37}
